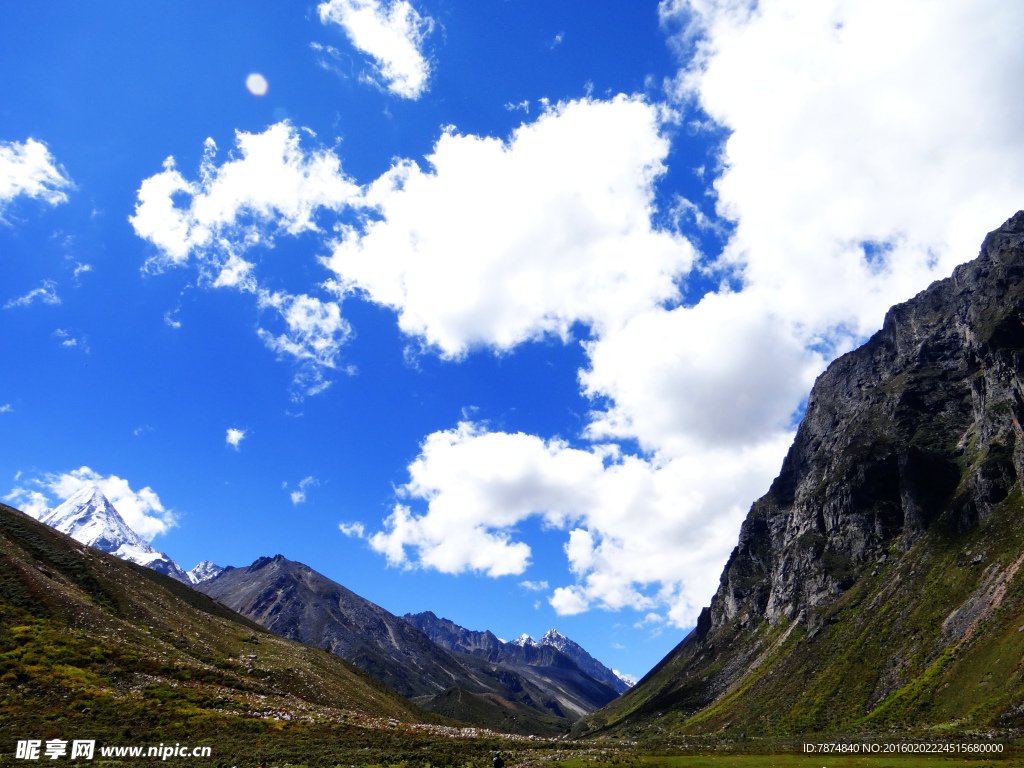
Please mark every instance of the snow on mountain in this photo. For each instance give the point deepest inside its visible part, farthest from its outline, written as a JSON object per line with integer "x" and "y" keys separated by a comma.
{"x": 585, "y": 661}
{"x": 205, "y": 571}
{"x": 576, "y": 652}
{"x": 89, "y": 518}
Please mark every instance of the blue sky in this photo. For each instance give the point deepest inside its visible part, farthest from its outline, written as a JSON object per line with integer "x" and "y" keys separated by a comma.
{"x": 506, "y": 310}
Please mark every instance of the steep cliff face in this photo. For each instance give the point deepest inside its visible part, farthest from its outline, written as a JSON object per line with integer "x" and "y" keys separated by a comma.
{"x": 918, "y": 426}
{"x": 897, "y": 509}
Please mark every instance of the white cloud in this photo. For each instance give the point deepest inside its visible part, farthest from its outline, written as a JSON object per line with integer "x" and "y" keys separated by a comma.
{"x": 892, "y": 123}
{"x": 273, "y": 186}
{"x": 727, "y": 372}
{"x": 393, "y": 33}
{"x": 299, "y": 495}
{"x": 141, "y": 510}
{"x": 534, "y": 586}
{"x": 46, "y": 293}
{"x": 315, "y": 329}
{"x": 6, "y": 408}
{"x": 235, "y": 437}
{"x": 29, "y": 169}
{"x": 503, "y": 242}
{"x": 629, "y": 520}
{"x": 81, "y": 269}
{"x": 870, "y": 149}
{"x": 352, "y": 530}
{"x": 67, "y": 340}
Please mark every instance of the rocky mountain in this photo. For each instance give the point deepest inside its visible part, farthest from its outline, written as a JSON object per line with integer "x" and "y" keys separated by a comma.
{"x": 584, "y": 660}
{"x": 94, "y": 645}
{"x": 89, "y": 517}
{"x": 546, "y": 667}
{"x": 877, "y": 583}
{"x": 294, "y": 601}
{"x": 204, "y": 571}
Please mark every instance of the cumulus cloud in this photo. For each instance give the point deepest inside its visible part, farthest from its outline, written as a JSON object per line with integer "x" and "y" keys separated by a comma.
{"x": 235, "y": 437}
{"x": 392, "y": 33}
{"x": 506, "y": 241}
{"x": 46, "y": 293}
{"x": 6, "y": 408}
{"x": 272, "y": 187}
{"x": 639, "y": 533}
{"x": 141, "y": 510}
{"x": 871, "y": 145}
{"x": 29, "y": 169}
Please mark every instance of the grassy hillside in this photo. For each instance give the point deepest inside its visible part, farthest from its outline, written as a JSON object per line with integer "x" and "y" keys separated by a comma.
{"x": 92, "y": 647}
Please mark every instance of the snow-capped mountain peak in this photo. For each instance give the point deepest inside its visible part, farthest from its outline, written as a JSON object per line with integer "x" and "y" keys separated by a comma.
{"x": 205, "y": 571}
{"x": 585, "y": 661}
{"x": 523, "y": 640}
{"x": 89, "y": 518}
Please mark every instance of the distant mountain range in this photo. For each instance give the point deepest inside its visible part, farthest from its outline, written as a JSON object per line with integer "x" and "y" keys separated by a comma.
{"x": 524, "y": 650}
{"x": 525, "y": 686}
{"x": 519, "y": 689}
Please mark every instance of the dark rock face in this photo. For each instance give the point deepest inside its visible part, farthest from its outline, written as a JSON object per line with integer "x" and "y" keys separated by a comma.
{"x": 889, "y": 443}
{"x": 855, "y": 592}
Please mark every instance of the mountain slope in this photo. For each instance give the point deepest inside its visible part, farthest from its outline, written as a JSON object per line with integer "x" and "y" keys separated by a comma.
{"x": 294, "y": 601}
{"x": 555, "y": 674}
{"x": 89, "y": 517}
{"x": 877, "y": 584}
{"x": 96, "y": 646}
